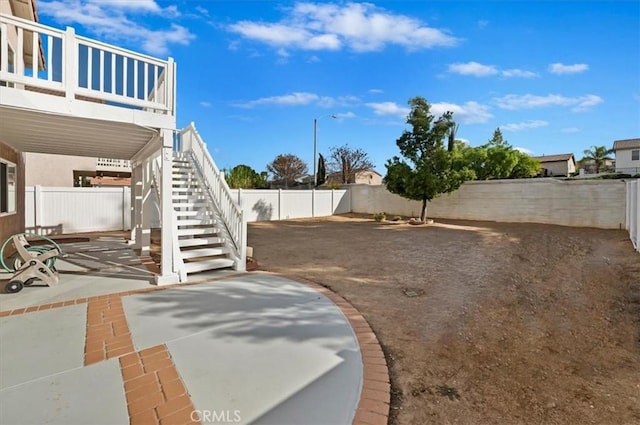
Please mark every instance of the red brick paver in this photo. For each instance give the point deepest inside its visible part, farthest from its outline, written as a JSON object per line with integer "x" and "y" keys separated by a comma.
{"x": 107, "y": 334}
{"x": 154, "y": 390}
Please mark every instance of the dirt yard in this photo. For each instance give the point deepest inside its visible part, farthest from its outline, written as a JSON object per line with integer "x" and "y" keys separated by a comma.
{"x": 483, "y": 323}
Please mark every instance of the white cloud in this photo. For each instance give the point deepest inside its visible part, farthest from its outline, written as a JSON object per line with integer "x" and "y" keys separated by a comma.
{"x": 361, "y": 27}
{"x": 523, "y": 150}
{"x": 201, "y": 10}
{"x": 330, "y": 102}
{"x": 120, "y": 21}
{"x": 473, "y": 68}
{"x": 518, "y": 73}
{"x": 300, "y": 98}
{"x": 375, "y": 91}
{"x": 388, "y": 108}
{"x": 570, "y": 130}
{"x": 482, "y": 23}
{"x": 205, "y": 104}
{"x": 297, "y": 98}
{"x": 313, "y": 59}
{"x": 519, "y": 126}
{"x": 345, "y": 115}
{"x": 480, "y": 70}
{"x": 527, "y": 101}
{"x": 468, "y": 113}
{"x": 560, "y": 69}
{"x": 146, "y": 5}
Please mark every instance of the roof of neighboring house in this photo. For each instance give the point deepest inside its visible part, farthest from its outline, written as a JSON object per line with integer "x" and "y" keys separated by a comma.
{"x": 337, "y": 173}
{"x": 555, "y": 158}
{"x": 626, "y": 144}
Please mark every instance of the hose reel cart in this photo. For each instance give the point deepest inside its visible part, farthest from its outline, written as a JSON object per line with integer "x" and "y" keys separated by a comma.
{"x": 30, "y": 262}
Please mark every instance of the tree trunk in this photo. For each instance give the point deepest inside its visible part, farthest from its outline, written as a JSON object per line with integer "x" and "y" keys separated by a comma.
{"x": 423, "y": 213}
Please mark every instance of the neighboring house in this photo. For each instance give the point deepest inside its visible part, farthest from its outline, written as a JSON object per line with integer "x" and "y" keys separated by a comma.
{"x": 627, "y": 156}
{"x": 75, "y": 171}
{"x": 557, "y": 165}
{"x": 62, "y": 94}
{"x": 371, "y": 177}
{"x": 589, "y": 165}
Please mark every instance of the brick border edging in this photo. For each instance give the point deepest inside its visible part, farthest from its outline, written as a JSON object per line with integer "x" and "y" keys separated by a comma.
{"x": 375, "y": 397}
{"x": 101, "y": 298}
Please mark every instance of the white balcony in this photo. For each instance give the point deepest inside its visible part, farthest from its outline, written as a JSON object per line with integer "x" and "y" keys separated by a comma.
{"x": 67, "y": 94}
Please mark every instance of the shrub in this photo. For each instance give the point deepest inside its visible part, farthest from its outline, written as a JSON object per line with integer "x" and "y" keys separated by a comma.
{"x": 379, "y": 216}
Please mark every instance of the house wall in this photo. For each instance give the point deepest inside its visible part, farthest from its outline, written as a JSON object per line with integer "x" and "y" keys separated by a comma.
{"x": 559, "y": 168}
{"x": 624, "y": 163}
{"x": 570, "y": 203}
{"x": 55, "y": 170}
{"x": 13, "y": 223}
{"x": 368, "y": 177}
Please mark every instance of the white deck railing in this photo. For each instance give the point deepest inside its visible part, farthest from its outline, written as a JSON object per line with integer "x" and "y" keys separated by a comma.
{"x": 231, "y": 213}
{"x": 65, "y": 64}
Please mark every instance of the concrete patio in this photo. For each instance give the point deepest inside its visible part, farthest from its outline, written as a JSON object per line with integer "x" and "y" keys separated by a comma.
{"x": 106, "y": 347}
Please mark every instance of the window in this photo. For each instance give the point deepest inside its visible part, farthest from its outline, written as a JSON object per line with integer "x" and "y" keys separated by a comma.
{"x": 635, "y": 155}
{"x": 8, "y": 179}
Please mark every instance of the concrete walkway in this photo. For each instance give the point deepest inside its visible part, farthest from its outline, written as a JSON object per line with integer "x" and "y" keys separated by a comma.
{"x": 251, "y": 348}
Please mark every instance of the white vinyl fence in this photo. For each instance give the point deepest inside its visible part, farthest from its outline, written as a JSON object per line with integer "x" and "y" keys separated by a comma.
{"x": 633, "y": 212}
{"x": 57, "y": 210}
{"x": 265, "y": 205}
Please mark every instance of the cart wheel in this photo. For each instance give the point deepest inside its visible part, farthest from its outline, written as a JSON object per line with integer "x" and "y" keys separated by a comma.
{"x": 29, "y": 282}
{"x": 13, "y": 286}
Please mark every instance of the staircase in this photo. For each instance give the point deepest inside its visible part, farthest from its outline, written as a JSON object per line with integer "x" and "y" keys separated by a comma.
{"x": 202, "y": 235}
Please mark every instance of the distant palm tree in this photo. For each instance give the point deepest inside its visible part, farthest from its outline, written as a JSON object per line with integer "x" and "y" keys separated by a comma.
{"x": 597, "y": 154}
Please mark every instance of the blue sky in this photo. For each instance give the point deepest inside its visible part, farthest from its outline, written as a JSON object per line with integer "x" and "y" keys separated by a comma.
{"x": 555, "y": 76}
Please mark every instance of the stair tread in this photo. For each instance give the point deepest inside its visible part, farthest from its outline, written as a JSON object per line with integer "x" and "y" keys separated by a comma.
{"x": 204, "y": 252}
{"x": 184, "y": 243}
{"x": 197, "y": 222}
{"x": 199, "y": 266}
{"x": 198, "y": 231}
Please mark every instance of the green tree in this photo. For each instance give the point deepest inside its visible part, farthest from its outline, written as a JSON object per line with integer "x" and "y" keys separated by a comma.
{"x": 322, "y": 171}
{"x": 287, "y": 169}
{"x": 347, "y": 162}
{"x": 242, "y": 177}
{"x": 428, "y": 168}
{"x": 597, "y": 154}
{"x": 526, "y": 167}
{"x": 497, "y": 159}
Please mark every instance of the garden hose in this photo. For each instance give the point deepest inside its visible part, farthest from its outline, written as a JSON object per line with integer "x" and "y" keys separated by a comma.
{"x": 49, "y": 262}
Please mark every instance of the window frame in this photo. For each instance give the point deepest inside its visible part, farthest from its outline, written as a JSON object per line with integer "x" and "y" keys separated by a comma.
{"x": 637, "y": 155}
{"x": 11, "y": 201}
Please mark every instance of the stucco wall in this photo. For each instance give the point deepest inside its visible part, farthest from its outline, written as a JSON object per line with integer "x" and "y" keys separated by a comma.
{"x": 570, "y": 203}
{"x": 13, "y": 223}
{"x": 55, "y": 170}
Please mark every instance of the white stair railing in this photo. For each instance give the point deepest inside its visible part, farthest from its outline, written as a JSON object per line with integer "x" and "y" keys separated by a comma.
{"x": 178, "y": 262}
{"x": 230, "y": 212}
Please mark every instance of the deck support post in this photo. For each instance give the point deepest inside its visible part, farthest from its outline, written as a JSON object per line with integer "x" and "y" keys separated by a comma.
{"x": 168, "y": 273}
